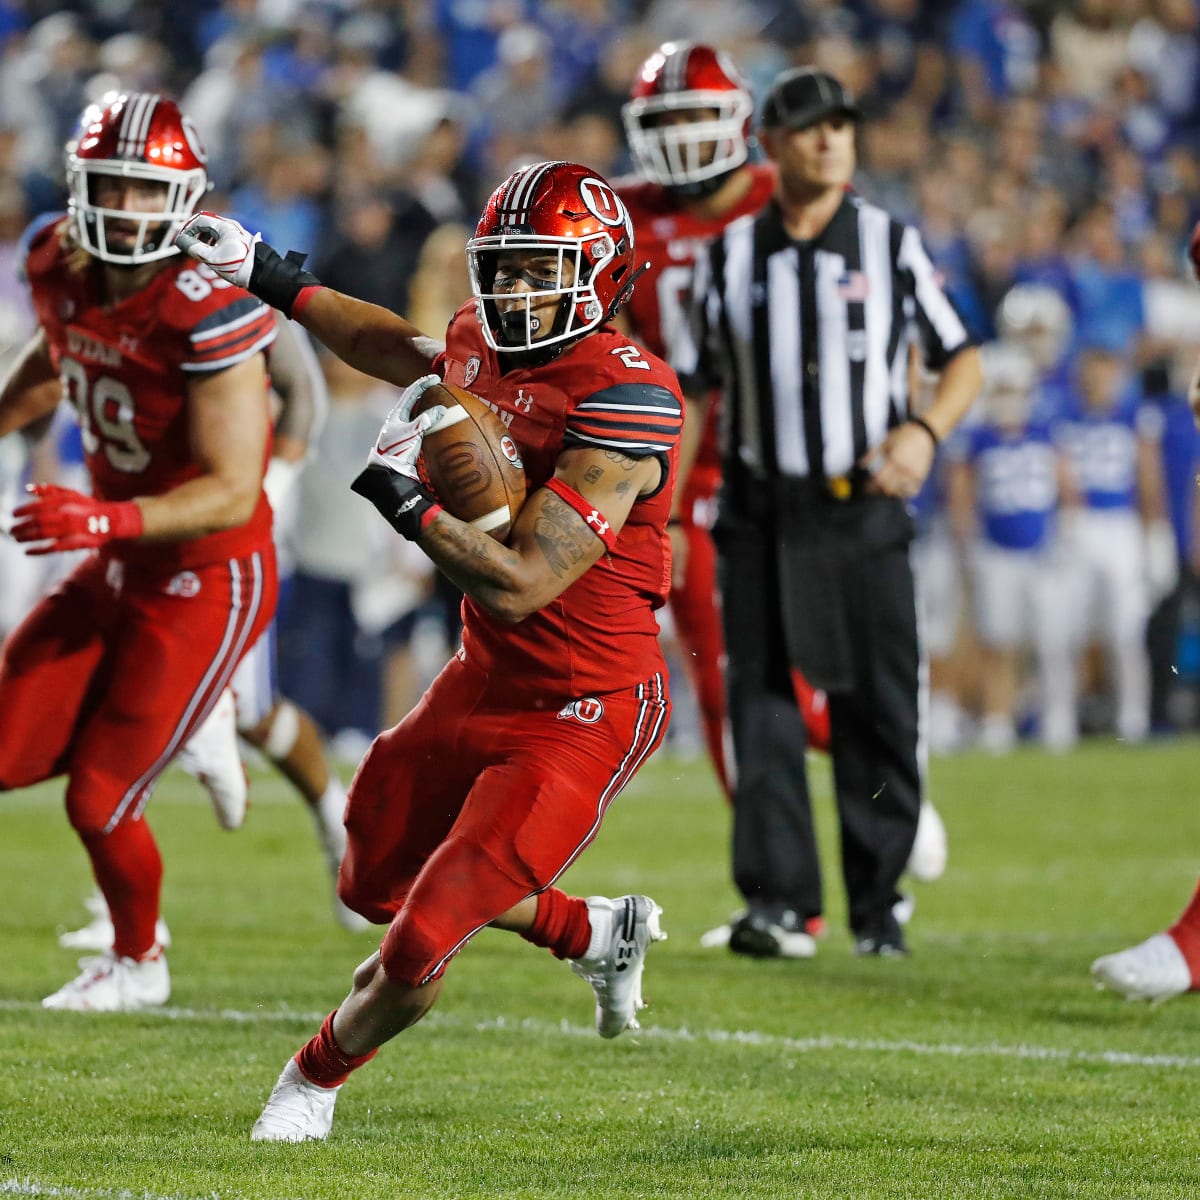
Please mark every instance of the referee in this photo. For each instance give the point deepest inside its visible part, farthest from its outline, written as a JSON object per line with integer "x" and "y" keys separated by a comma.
{"x": 803, "y": 317}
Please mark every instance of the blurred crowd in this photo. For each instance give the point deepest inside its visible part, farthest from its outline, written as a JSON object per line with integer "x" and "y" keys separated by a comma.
{"x": 1047, "y": 151}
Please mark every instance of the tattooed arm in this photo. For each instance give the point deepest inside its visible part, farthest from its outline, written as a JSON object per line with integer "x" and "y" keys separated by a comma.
{"x": 551, "y": 545}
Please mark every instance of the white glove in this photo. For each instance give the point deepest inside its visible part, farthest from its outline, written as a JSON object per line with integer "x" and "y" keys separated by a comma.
{"x": 398, "y": 445}
{"x": 221, "y": 243}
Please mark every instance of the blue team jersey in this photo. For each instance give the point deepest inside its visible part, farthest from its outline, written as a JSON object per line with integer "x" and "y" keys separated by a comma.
{"x": 1103, "y": 451}
{"x": 1016, "y": 484}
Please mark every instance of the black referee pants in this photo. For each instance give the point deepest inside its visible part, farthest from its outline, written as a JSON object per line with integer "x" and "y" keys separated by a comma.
{"x": 873, "y": 719}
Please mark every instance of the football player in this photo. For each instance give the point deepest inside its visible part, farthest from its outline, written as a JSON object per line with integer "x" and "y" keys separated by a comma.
{"x": 687, "y": 123}
{"x": 251, "y": 707}
{"x": 1006, "y": 482}
{"x": 164, "y": 363}
{"x": 1112, "y": 438}
{"x": 466, "y": 813}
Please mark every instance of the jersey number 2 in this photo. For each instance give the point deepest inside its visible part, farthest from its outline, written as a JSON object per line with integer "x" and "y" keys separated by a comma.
{"x": 106, "y": 413}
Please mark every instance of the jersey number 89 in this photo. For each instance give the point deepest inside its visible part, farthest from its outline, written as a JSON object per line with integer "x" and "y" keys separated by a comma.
{"x": 106, "y": 413}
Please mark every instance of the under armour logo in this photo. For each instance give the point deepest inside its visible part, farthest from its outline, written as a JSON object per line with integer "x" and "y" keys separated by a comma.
{"x": 597, "y": 522}
{"x": 97, "y": 524}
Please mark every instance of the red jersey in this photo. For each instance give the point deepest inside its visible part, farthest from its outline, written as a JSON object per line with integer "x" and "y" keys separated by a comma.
{"x": 602, "y": 392}
{"x": 125, "y": 369}
{"x": 667, "y": 237}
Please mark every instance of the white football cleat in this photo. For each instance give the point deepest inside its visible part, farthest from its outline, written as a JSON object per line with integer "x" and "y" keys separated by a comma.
{"x": 110, "y": 984}
{"x": 927, "y": 858}
{"x": 1152, "y": 970}
{"x": 296, "y": 1111}
{"x": 98, "y": 933}
{"x": 213, "y": 756}
{"x": 616, "y": 975}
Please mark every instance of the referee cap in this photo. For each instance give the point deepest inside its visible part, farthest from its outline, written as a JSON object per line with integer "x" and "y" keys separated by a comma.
{"x": 803, "y": 96}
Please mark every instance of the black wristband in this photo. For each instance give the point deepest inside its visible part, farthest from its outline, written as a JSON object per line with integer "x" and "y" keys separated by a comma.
{"x": 279, "y": 280}
{"x": 402, "y": 502}
{"x": 913, "y": 419}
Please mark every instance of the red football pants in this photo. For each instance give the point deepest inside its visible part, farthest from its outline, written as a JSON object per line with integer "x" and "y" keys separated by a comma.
{"x": 469, "y": 806}
{"x": 105, "y": 680}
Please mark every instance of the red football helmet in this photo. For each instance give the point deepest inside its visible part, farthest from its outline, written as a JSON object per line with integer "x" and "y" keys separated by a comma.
{"x": 561, "y": 209}
{"x": 701, "y": 83}
{"x": 137, "y": 136}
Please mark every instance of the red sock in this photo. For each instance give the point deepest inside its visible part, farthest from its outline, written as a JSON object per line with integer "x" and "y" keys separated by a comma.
{"x": 325, "y": 1063}
{"x": 1186, "y": 932}
{"x": 561, "y": 924}
{"x": 128, "y": 869}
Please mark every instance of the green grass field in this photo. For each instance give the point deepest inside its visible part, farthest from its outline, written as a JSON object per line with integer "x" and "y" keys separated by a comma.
{"x": 985, "y": 1065}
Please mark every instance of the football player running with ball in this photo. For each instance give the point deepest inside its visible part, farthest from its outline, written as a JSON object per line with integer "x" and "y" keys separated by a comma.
{"x": 164, "y": 363}
{"x": 466, "y": 813}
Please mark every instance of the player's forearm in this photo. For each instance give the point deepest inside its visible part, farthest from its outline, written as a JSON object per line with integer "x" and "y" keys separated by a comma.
{"x": 550, "y": 548}
{"x": 369, "y": 337}
{"x": 30, "y": 390}
{"x": 487, "y": 571}
{"x": 199, "y": 507}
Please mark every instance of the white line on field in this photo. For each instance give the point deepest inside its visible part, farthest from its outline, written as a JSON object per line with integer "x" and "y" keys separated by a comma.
{"x": 735, "y": 1037}
{"x": 32, "y": 1187}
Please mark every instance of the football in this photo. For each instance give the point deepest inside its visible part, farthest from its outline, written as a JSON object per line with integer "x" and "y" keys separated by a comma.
{"x": 469, "y": 461}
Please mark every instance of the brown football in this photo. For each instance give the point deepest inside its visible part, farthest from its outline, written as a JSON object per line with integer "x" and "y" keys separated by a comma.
{"x": 469, "y": 461}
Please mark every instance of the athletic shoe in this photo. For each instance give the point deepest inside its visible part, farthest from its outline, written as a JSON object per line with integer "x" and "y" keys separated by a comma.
{"x": 814, "y": 927}
{"x": 760, "y": 933}
{"x": 883, "y": 939}
{"x": 1152, "y": 970}
{"x": 616, "y": 976}
{"x": 213, "y": 756}
{"x": 927, "y": 858}
{"x": 110, "y": 984}
{"x": 98, "y": 933}
{"x": 296, "y": 1111}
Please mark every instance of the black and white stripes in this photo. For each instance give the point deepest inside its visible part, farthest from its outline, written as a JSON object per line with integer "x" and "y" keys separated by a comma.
{"x": 810, "y": 340}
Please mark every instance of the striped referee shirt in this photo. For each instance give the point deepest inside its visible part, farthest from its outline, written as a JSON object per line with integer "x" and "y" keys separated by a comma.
{"x": 809, "y": 341}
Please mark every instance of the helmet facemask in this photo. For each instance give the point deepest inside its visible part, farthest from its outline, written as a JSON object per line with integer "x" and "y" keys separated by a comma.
{"x": 692, "y": 156}
{"x": 156, "y": 230}
{"x": 509, "y": 320}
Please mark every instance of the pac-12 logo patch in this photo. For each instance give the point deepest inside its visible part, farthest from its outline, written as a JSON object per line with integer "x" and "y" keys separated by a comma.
{"x": 471, "y": 370}
{"x": 509, "y": 449}
{"x": 589, "y": 710}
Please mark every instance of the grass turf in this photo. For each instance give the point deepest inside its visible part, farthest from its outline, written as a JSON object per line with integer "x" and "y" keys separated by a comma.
{"x": 985, "y": 1065}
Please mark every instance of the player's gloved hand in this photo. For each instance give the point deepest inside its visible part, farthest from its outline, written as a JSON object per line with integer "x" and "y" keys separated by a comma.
{"x": 244, "y": 259}
{"x": 61, "y": 519}
{"x": 391, "y": 480}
